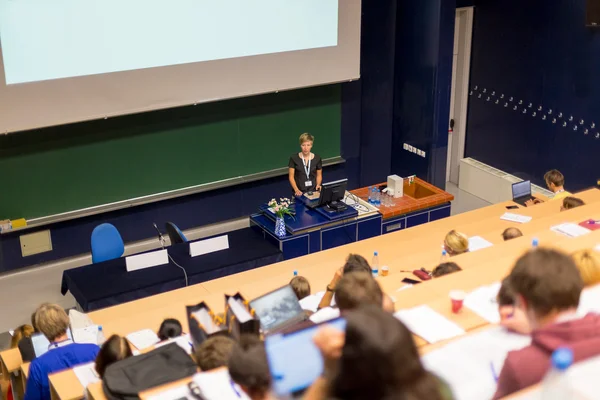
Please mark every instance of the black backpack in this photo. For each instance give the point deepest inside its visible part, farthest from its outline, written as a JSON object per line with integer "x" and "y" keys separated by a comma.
{"x": 125, "y": 379}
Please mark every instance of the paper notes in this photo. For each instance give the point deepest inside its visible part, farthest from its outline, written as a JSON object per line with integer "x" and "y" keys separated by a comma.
{"x": 88, "y": 335}
{"x": 478, "y": 243}
{"x": 428, "y": 324}
{"x": 571, "y": 230}
{"x": 482, "y": 301}
{"x": 311, "y": 303}
{"x": 86, "y": 374}
{"x": 325, "y": 314}
{"x": 521, "y": 219}
{"x": 143, "y": 339}
{"x": 183, "y": 341}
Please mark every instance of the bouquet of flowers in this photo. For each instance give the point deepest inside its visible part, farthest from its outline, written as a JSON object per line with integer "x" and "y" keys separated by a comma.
{"x": 281, "y": 208}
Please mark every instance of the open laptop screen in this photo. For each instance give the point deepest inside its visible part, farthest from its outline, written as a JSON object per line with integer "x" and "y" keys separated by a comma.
{"x": 41, "y": 344}
{"x": 521, "y": 189}
{"x": 277, "y": 307}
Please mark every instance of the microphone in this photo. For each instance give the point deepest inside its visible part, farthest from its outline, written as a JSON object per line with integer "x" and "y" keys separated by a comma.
{"x": 160, "y": 235}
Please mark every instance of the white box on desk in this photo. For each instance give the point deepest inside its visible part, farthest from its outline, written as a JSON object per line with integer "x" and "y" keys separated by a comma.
{"x": 395, "y": 185}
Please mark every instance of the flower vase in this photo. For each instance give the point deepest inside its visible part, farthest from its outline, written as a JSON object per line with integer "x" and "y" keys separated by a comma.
{"x": 280, "y": 227}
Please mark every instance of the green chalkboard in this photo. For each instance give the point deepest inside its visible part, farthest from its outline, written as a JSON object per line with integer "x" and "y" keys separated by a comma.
{"x": 66, "y": 168}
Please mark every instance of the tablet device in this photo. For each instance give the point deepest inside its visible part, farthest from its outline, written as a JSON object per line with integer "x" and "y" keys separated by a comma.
{"x": 294, "y": 360}
{"x": 41, "y": 344}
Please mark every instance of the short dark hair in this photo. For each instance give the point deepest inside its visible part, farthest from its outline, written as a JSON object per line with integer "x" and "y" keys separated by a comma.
{"x": 511, "y": 233}
{"x": 214, "y": 352}
{"x": 445, "y": 269}
{"x": 548, "y": 280}
{"x": 356, "y": 289}
{"x": 570, "y": 202}
{"x": 554, "y": 176}
{"x": 248, "y": 366}
{"x": 300, "y": 286}
{"x": 506, "y": 295}
{"x": 35, "y": 328}
{"x": 114, "y": 349}
{"x": 170, "y": 328}
{"x": 356, "y": 262}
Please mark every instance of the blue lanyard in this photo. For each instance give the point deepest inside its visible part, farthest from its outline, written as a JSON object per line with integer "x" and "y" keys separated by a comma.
{"x": 306, "y": 169}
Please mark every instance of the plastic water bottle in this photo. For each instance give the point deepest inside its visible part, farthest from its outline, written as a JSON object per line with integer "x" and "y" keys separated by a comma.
{"x": 534, "y": 243}
{"x": 295, "y": 273}
{"x": 377, "y": 197}
{"x": 371, "y": 194}
{"x": 375, "y": 265}
{"x": 556, "y": 383}
{"x": 100, "y": 339}
{"x": 444, "y": 258}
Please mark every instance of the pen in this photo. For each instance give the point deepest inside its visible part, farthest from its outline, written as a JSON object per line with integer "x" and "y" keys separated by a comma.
{"x": 232, "y": 383}
{"x": 494, "y": 372}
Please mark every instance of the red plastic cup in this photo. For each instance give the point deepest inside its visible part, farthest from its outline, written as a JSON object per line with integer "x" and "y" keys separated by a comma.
{"x": 457, "y": 297}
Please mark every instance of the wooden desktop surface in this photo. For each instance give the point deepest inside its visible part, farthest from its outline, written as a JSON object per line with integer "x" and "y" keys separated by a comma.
{"x": 404, "y": 250}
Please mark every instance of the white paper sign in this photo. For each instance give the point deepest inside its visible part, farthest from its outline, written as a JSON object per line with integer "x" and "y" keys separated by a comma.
{"x": 209, "y": 246}
{"x": 147, "y": 260}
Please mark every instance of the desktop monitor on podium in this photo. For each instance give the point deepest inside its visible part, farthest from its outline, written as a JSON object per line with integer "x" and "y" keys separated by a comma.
{"x": 332, "y": 194}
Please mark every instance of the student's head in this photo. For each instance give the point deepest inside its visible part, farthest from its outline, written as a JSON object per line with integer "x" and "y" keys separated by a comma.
{"x": 23, "y": 331}
{"x": 248, "y": 367}
{"x": 456, "y": 243}
{"x": 52, "y": 321}
{"x": 114, "y": 349}
{"x": 445, "y": 269}
{"x": 545, "y": 282}
{"x": 306, "y": 142}
{"x": 588, "y": 263}
{"x": 214, "y": 352}
{"x": 356, "y": 289}
{"x": 506, "y": 296}
{"x": 355, "y": 263}
{"x": 511, "y": 233}
{"x": 380, "y": 360}
{"x": 170, "y": 328}
{"x": 554, "y": 180}
{"x": 300, "y": 286}
{"x": 570, "y": 202}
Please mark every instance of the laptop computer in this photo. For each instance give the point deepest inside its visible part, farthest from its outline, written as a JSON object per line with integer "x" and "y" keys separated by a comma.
{"x": 278, "y": 310}
{"x": 521, "y": 192}
{"x": 41, "y": 344}
{"x": 294, "y": 360}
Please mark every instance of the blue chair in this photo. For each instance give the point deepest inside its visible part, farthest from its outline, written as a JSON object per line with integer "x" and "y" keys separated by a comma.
{"x": 175, "y": 234}
{"x": 107, "y": 243}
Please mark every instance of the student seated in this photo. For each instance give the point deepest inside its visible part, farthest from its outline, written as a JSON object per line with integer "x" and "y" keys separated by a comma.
{"x": 170, "y": 328}
{"x": 456, "y": 243}
{"x": 570, "y": 202}
{"x": 588, "y": 263}
{"x": 356, "y": 289}
{"x": 214, "y": 352}
{"x": 556, "y": 183}
{"x": 445, "y": 269}
{"x": 248, "y": 367}
{"x": 511, "y": 317}
{"x": 25, "y": 345}
{"x": 114, "y": 349}
{"x": 511, "y": 233}
{"x": 547, "y": 287}
{"x": 300, "y": 286}
{"x": 375, "y": 359}
{"x": 354, "y": 262}
{"x": 22, "y": 332}
{"x": 62, "y": 353}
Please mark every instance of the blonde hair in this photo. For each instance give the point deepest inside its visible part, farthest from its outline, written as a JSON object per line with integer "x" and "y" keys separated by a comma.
{"x": 456, "y": 243}
{"x": 588, "y": 263}
{"x": 24, "y": 331}
{"x": 51, "y": 320}
{"x": 306, "y": 137}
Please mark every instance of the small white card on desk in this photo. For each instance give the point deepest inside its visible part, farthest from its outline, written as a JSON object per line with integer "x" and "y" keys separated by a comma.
{"x": 209, "y": 245}
{"x": 143, "y": 339}
{"x": 478, "y": 243}
{"x": 482, "y": 301}
{"x": 146, "y": 260}
{"x": 521, "y": 219}
{"x": 86, "y": 374}
{"x": 570, "y": 230}
{"x": 423, "y": 321}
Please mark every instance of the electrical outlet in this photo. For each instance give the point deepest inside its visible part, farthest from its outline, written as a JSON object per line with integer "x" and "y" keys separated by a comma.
{"x": 420, "y": 152}
{"x": 410, "y": 148}
{"x": 414, "y": 150}
{"x": 424, "y": 154}
{"x": 405, "y": 146}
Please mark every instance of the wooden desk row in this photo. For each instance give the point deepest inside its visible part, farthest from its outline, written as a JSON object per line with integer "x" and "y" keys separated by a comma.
{"x": 404, "y": 250}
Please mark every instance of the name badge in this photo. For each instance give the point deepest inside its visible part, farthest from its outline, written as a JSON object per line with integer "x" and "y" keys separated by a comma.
{"x": 308, "y": 184}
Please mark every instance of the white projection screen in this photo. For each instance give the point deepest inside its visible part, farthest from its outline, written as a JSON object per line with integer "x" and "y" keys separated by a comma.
{"x": 63, "y": 61}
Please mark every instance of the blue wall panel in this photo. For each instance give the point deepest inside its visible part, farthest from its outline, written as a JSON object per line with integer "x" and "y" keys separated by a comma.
{"x": 541, "y": 54}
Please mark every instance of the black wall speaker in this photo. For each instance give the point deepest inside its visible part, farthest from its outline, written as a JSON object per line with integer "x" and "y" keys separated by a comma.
{"x": 593, "y": 13}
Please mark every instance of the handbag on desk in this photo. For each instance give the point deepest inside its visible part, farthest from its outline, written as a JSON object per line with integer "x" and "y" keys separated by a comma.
{"x": 203, "y": 323}
{"x": 240, "y": 317}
